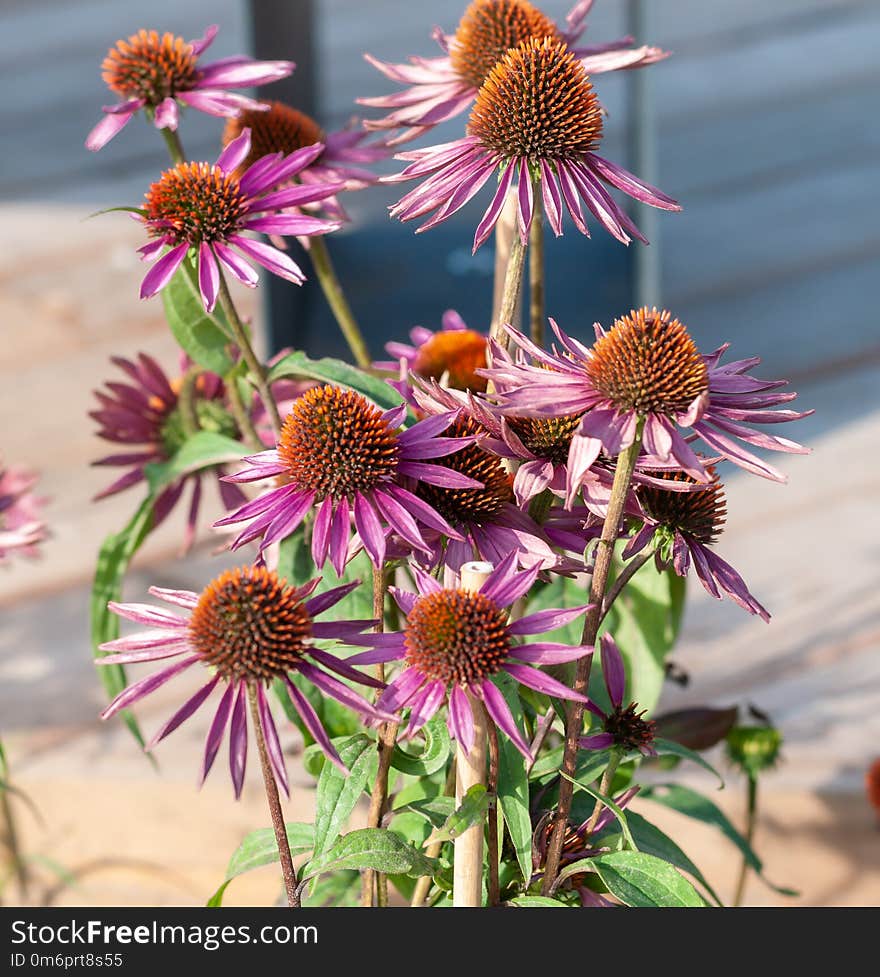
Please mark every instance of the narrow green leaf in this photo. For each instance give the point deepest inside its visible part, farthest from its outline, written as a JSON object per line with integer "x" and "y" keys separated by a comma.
{"x": 435, "y": 810}
{"x": 513, "y": 787}
{"x": 671, "y": 748}
{"x": 375, "y": 848}
{"x": 339, "y": 889}
{"x": 536, "y": 902}
{"x": 260, "y": 848}
{"x": 337, "y": 794}
{"x": 202, "y": 450}
{"x": 434, "y": 755}
{"x": 643, "y": 880}
{"x": 203, "y": 336}
{"x": 609, "y": 803}
{"x": 337, "y": 372}
{"x": 113, "y": 560}
{"x": 471, "y": 811}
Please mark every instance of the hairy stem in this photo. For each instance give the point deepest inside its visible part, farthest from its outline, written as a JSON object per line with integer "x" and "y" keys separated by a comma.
{"x": 375, "y": 883}
{"x": 513, "y": 279}
{"x": 536, "y": 274}
{"x": 751, "y": 818}
{"x": 505, "y": 230}
{"x": 626, "y": 462}
{"x": 287, "y": 869}
{"x": 337, "y": 301}
{"x": 255, "y": 367}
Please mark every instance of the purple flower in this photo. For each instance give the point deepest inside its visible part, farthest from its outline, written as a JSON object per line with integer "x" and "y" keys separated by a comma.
{"x": 681, "y": 526}
{"x": 647, "y": 368}
{"x": 443, "y": 87}
{"x": 536, "y": 124}
{"x": 160, "y": 73}
{"x": 247, "y": 628}
{"x": 623, "y": 727}
{"x": 341, "y": 454}
{"x": 205, "y": 211}
{"x": 21, "y": 523}
{"x": 456, "y": 640}
{"x": 144, "y": 415}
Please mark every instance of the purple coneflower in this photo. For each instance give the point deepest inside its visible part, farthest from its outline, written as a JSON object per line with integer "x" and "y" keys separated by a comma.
{"x": 456, "y": 640}
{"x": 284, "y": 129}
{"x": 154, "y": 73}
{"x": 622, "y": 726}
{"x": 206, "y": 210}
{"x": 21, "y": 524}
{"x": 247, "y": 627}
{"x": 341, "y": 454}
{"x": 537, "y": 123}
{"x": 646, "y": 368}
{"x": 681, "y": 526}
{"x": 145, "y": 414}
{"x": 443, "y": 87}
{"x": 452, "y": 355}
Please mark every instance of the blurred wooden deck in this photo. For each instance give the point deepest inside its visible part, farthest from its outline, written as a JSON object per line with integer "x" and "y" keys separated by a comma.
{"x": 767, "y": 134}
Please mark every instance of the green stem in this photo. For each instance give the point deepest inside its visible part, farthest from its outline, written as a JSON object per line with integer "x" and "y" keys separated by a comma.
{"x": 626, "y": 574}
{"x": 175, "y": 147}
{"x": 626, "y": 463}
{"x": 287, "y": 869}
{"x": 536, "y": 273}
{"x": 338, "y": 302}
{"x": 510, "y": 296}
{"x": 255, "y": 367}
{"x": 10, "y": 839}
{"x": 189, "y": 419}
{"x": 240, "y": 412}
{"x": 751, "y": 819}
{"x": 604, "y": 788}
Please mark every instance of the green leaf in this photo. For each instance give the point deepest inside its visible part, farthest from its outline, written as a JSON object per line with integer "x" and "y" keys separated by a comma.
{"x": 338, "y": 793}
{"x": 670, "y": 748}
{"x": 337, "y": 372}
{"x": 513, "y": 787}
{"x": 609, "y": 803}
{"x": 645, "y": 621}
{"x": 471, "y": 811}
{"x": 434, "y": 755}
{"x": 536, "y": 902}
{"x": 295, "y": 563}
{"x": 202, "y": 450}
{"x": 260, "y": 848}
{"x": 113, "y": 560}
{"x": 202, "y": 335}
{"x": 639, "y": 879}
{"x": 375, "y": 848}
{"x": 651, "y": 840}
{"x": 339, "y": 889}
{"x": 435, "y": 810}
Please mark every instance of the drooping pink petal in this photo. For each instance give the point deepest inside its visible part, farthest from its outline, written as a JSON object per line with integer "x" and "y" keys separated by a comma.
{"x": 236, "y": 152}
{"x": 273, "y": 744}
{"x": 460, "y": 718}
{"x": 209, "y": 276}
{"x": 163, "y": 270}
{"x": 501, "y": 714}
{"x": 147, "y": 685}
{"x": 540, "y": 682}
{"x": 313, "y": 724}
{"x": 612, "y": 670}
{"x": 238, "y": 740}
{"x": 167, "y": 115}
{"x": 184, "y": 712}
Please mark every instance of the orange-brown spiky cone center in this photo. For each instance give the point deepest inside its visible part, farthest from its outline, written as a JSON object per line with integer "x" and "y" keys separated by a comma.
{"x": 334, "y": 441}
{"x": 150, "y": 66}
{"x": 647, "y": 362}
{"x": 249, "y": 624}
{"x": 456, "y": 636}
{"x": 701, "y": 513}
{"x": 281, "y": 129}
{"x": 548, "y": 438}
{"x": 455, "y": 353}
{"x": 629, "y": 728}
{"x": 195, "y": 202}
{"x": 487, "y": 31}
{"x": 537, "y": 103}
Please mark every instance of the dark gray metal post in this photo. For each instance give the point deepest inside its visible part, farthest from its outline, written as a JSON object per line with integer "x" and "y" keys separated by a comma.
{"x": 285, "y": 30}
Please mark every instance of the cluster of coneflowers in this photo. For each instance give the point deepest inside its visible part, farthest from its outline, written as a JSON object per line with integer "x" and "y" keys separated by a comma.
{"x": 502, "y": 457}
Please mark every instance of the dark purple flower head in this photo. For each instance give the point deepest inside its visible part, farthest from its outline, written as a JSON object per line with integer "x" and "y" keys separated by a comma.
{"x": 443, "y": 87}
{"x": 623, "y": 727}
{"x": 536, "y": 125}
{"x": 682, "y": 527}
{"x": 247, "y": 627}
{"x": 158, "y": 73}
{"x": 341, "y": 454}
{"x": 21, "y": 523}
{"x": 456, "y": 640}
{"x": 204, "y": 211}
{"x": 647, "y": 370}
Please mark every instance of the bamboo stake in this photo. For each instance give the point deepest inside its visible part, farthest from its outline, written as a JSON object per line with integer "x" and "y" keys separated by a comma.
{"x": 470, "y": 769}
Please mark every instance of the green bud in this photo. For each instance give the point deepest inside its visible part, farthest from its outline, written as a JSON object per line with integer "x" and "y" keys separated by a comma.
{"x": 753, "y": 748}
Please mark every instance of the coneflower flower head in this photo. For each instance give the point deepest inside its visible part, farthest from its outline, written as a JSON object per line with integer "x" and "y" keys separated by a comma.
{"x": 537, "y": 123}
{"x": 158, "y": 73}
{"x": 21, "y": 523}
{"x": 248, "y": 627}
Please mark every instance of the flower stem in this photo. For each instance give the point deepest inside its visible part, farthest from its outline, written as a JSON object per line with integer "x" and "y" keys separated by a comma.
{"x": 10, "y": 840}
{"x": 505, "y": 230}
{"x": 387, "y": 735}
{"x": 287, "y": 869}
{"x": 626, "y": 574}
{"x": 536, "y": 274}
{"x": 255, "y": 367}
{"x": 239, "y": 411}
{"x": 187, "y": 399}
{"x": 175, "y": 147}
{"x": 510, "y": 296}
{"x": 604, "y": 788}
{"x": 626, "y": 463}
{"x": 494, "y": 888}
{"x": 423, "y": 884}
{"x": 337, "y": 301}
{"x": 751, "y": 818}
